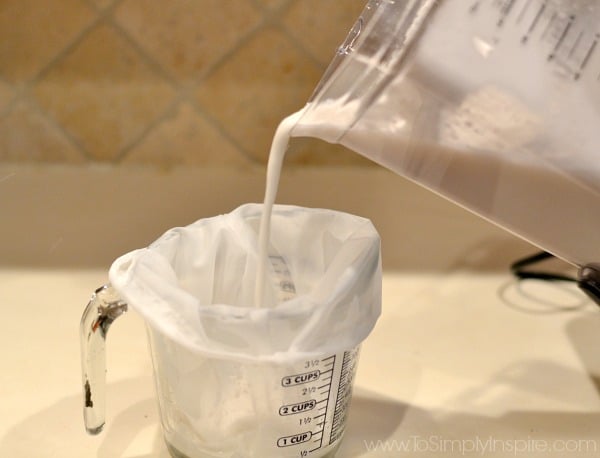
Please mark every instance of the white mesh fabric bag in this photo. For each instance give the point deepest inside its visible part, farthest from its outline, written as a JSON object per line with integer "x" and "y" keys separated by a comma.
{"x": 196, "y": 284}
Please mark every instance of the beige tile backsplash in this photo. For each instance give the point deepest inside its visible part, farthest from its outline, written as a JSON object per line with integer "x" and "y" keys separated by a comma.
{"x": 163, "y": 83}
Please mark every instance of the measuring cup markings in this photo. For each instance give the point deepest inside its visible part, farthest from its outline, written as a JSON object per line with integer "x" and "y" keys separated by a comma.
{"x": 319, "y": 420}
{"x": 299, "y": 379}
{"x": 588, "y": 55}
{"x": 326, "y": 389}
{"x": 561, "y": 36}
{"x": 533, "y": 23}
{"x": 343, "y": 395}
{"x": 283, "y": 278}
{"x": 505, "y": 11}
{"x": 317, "y": 383}
{"x": 299, "y": 407}
{"x": 294, "y": 439}
{"x": 321, "y": 396}
{"x": 569, "y": 42}
{"x": 522, "y": 11}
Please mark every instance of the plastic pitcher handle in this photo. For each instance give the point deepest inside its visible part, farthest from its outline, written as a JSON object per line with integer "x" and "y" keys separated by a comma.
{"x": 105, "y": 306}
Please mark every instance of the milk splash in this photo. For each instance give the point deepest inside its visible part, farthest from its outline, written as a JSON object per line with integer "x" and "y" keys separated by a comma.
{"x": 276, "y": 156}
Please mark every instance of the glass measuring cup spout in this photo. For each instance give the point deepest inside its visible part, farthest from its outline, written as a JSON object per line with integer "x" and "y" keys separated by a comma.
{"x": 104, "y": 307}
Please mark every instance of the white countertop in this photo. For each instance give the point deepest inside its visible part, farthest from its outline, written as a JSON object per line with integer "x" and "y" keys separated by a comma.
{"x": 459, "y": 361}
{"x": 461, "y": 353}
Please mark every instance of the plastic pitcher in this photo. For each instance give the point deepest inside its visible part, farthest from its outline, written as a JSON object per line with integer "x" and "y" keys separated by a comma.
{"x": 492, "y": 104}
{"x": 234, "y": 380}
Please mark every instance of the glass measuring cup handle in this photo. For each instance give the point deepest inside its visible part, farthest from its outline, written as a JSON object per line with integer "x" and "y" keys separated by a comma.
{"x": 104, "y": 307}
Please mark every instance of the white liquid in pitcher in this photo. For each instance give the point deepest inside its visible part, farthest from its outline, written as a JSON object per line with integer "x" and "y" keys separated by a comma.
{"x": 276, "y": 156}
{"x": 537, "y": 194}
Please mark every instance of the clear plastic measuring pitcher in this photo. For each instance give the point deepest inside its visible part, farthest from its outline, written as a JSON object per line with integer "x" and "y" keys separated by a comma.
{"x": 494, "y": 104}
{"x": 232, "y": 379}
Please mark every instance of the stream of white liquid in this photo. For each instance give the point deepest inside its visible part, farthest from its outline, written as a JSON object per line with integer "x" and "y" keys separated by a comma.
{"x": 276, "y": 156}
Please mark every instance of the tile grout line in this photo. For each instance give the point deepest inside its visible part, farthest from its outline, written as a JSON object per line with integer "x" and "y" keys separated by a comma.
{"x": 184, "y": 93}
{"x": 299, "y": 45}
{"x": 10, "y": 105}
{"x": 100, "y": 16}
{"x": 104, "y": 15}
{"x": 301, "y": 48}
{"x": 70, "y": 138}
{"x": 279, "y": 24}
{"x": 219, "y": 128}
{"x": 278, "y": 9}
{"x": 235, "y": 47}
{"x": 25, "y": 92}
{"x": 99, "y": 8}
{"x": 183, "y": 97}
{"x": 152, "y": 63}
{"x": 269, "y": 19}
{"x": 148, "y": 129}
{"x": 158, "y": 70}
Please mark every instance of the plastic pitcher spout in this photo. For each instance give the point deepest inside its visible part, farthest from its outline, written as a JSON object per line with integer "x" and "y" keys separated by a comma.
{"x": 104, "y": 307}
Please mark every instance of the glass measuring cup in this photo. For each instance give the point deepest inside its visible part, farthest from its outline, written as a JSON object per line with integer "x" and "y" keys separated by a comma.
{"x": 246, "y": 382}
{"x": 214, "y": 407}
{"x": 492, "y": 104}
